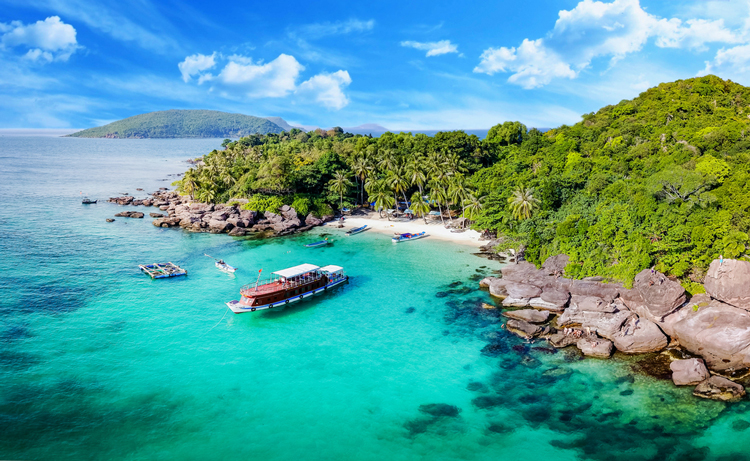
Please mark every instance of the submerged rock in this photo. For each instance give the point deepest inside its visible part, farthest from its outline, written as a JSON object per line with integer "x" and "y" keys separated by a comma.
{"x": 688, "y": 372}
{"x": 525, "y": 329}
{"x": 440, "y": 409}
{"x": 110, "y": 220}
{"x": 719, "y": 388}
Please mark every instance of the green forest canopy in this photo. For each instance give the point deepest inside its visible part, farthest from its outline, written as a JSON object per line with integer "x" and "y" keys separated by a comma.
{"x": 183, "y": 124}
{"x": 660, "y": 180}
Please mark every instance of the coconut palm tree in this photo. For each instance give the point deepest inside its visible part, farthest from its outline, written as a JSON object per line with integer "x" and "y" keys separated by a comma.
{"x": 340, "y": 184}
{"x": 472, "y": 206}
{"x": 189, "y": 183}
{"x": 381, "y": 193}
{"x": 523, "y": 203}
{"x": 360, "y": 169}
{"x": 415, "y": 173}
{"x": 438, "y": 195}
{"x": 419, "y": 206}
{"x": 397, "y": 181}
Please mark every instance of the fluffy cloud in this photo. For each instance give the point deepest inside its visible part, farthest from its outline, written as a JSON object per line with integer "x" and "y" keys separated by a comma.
{"x": 593, "y": 30}
{"x": 45, "y": 41}
{"x": 432, "y": 48}
{"x": 327, "y": 89}
{"x": 274, "y": 79}
{"x": 195, "y": 64}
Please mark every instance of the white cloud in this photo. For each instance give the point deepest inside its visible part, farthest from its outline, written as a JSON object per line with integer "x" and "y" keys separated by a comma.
{"x": 731, "y": 62}
{"x": 45, "y": 41}
{"x": 274, "y": 79}
{"x": 327, "y": 89}
{"x": 195, "y": 64}
{"x": 433, "y": 48}
{"x": 594, "y": 30}
{"x": 313, "y": 31}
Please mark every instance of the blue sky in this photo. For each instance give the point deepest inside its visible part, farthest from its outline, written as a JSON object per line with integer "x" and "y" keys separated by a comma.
{"x": 403, "y": 65}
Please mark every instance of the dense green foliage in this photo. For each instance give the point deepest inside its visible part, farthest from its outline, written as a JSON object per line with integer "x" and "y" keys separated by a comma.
{"x": 320, "y": 169}
{"x": 660, "y": 180}
{"x": 183, "y": 124}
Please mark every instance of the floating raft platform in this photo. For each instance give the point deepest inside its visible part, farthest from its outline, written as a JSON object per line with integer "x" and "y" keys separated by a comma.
{"x": 163, "y": 270}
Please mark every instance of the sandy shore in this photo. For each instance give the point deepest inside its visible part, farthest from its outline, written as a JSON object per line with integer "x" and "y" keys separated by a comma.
{"x": 434, "y": 229}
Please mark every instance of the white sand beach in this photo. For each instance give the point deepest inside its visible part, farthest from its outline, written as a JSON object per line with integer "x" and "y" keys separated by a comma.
{"x": 435, "y": 229}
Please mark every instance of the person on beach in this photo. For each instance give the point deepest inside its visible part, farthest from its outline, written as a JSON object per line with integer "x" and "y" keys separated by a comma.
{"x": 721, "y": 259}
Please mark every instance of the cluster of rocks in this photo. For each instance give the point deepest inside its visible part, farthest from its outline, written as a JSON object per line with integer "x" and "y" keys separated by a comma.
{"x": 218, "y": 219}
{"x": 655, "y": 314}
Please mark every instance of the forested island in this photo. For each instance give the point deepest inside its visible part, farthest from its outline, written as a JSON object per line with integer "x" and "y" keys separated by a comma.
{"x": 183, "y": 124}
{"x": 660, "y": 180}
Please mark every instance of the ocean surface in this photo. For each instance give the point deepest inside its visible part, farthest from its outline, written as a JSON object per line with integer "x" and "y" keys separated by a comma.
{"x": 97, "y": 361}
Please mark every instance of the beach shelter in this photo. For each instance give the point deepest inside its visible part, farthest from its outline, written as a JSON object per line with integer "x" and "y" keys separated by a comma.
{"x": 461, "y": 223}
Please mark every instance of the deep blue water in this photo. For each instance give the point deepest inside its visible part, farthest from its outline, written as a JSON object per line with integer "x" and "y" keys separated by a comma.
{"x": 99, "y": 362}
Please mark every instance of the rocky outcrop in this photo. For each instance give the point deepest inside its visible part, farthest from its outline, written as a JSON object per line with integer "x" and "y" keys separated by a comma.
{"x": 528, "y": 315}
{"x": 129, "y": 214}
{"x": 688, "y": 372}
{"x": 595, "y": 347}
{"x": 525, "y": 329}
{"x": 157, "y": 215}
{"x": 166, "y": 222}
{"x": 555, "y": 265}
{"x": 719, "y": 388}
{"x": 719, "y": 333}
{"x": 729, "y": 282}
{"x": 659, "y": 295}
{"x": 592, "y": 304}
{"x": 522, "y": 291}
{"x": 640, "y": 336}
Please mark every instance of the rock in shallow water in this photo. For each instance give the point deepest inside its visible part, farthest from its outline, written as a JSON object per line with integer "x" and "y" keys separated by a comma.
{"x": 525, "y": 329}
{"x": 440, "y": 409}
{"x": 688, "y": 372}
{"x": 528, "y": 315}
{"x": 719, "y": 388}
{"x": 595, "y": 347}
{"x": 640, "y": 336}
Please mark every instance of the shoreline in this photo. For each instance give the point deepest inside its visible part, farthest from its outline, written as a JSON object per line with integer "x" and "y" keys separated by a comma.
{"x": 435, "y": 231}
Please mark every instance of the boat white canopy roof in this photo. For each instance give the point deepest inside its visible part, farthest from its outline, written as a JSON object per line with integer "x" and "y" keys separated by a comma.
{"x": 331, "y": 269}
{"x": 297, "y": 270}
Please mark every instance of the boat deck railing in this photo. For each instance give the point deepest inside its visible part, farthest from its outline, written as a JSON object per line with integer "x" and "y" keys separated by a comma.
{"x": 276, "y": 285}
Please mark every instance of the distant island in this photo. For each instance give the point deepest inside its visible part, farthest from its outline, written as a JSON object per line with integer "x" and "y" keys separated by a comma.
{"x": 184, "y": 124}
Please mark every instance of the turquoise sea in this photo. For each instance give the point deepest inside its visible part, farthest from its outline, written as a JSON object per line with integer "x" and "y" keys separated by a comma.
{"x": 97, "y": 361}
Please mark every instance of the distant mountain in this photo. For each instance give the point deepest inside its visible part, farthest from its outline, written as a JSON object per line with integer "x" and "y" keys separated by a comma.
{"x": 367, "y": 128}
{"x": 183, "y": 124}
{"x": 281, "y": 122}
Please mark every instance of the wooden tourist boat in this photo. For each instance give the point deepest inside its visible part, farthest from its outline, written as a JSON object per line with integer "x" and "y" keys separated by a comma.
{"x": 407, "y": 237}
{"x": 288, "y": 286}
{"x": 87, "y": 201}
{"x": 357, "y": 230}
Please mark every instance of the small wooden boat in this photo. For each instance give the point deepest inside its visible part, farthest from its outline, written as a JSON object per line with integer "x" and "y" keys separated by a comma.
{"x": 322, "y": 243}
{"x": 222, "y": 266}
{"x": 407, "y": 237}
{"x": 87, "y": 201}
{"x": 357, "y": 230}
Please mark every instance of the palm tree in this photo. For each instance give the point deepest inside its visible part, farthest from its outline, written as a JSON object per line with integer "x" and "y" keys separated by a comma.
{"x": 381, "y": 193}
{"x": 419, "y": 206}
{"x": 360, "y": 170}
{"x": 189, "y": 183}
{"x": 438, "y": 195}
{"x": 415, "y": 173}
{"x": 523, "y": 203}
{"x": 457, "y": 191}
{"x": 397, "y": 182}
{"x": 472, "y": 206}
{"x": 340, "y": 184}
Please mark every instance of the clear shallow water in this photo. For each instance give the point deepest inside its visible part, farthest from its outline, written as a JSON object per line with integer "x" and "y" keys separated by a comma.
{"x": 99, "y": 362}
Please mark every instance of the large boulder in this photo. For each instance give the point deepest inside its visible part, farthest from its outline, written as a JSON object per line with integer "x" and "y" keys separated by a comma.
{"x": 719, "y": 333}
{"x": 523, "y": 272}
{"x": 606, "y": 291}
{"x": 640, "y": 336}
{"x": 595, "y": 347}
{"x": 157, "y": 215}
{"x": 288, "y": 212}
{"x": 219, "y": 227}
{"x": 311, "y": 220}
{"x": 485, "y": 282}
{"x": 605, "y": 324}
{"x": 525, "y": 329}
{"x": 688, "y": 372}
{"x": 528, "y": 315}
{"x": 660, "y": 294}
{"x": 555, "y": 265}
{"x": 540, "y": 303}
{"x": 510, "y": 301}
{"x": 556, "y": 295}
{"x": 729, "y": 282}
{"x": 591, "y": 303}
{"x": 560, "y": 340}
{"x": 497, "y": 288}
{"x": 220, "y": 215}
{"x": 130, "y": 214}
{"x": 522, "y": 290}
{"x": 238, "y": 232}
{"x": 272, "y": 217}
{"x": 719, "y": 388}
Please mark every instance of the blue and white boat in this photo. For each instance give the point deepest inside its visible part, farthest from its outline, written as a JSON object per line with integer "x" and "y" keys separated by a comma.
{"x": 322, "y": 243}
{"x": 406, "y": 237}
{"x": 288, "y": 286}
{"x": 357, "y": 230}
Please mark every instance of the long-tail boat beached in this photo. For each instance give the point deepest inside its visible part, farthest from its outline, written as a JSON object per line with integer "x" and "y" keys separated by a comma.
{"x": 357, "y": 230}
{"x": 288, "y": 286}
{"x": 406, "y": 237}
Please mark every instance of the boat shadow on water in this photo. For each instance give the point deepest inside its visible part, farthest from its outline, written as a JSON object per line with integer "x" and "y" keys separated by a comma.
{"x": 299, "y": 307}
